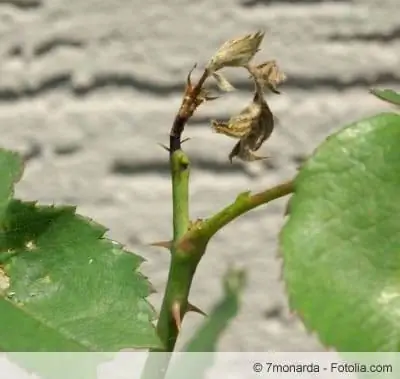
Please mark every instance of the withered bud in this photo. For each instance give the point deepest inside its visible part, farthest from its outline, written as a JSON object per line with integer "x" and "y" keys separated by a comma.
{"x": 223, "y": 83}
{"x": 269, "y": 75}
{"x": 236, "y": 52}
{"x": 258, "y": 129}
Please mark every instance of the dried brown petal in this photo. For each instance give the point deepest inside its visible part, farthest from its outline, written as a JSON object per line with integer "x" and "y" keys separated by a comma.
{"x": 269, "y": 74}
{"x": 253, "y": 125}
{"x": 236, "y": 52}
{"x": 223, "y": 83}
{"x": 239, "y": 125}
{"x": 261, "y": 128}
{"x": 222, "y": 127}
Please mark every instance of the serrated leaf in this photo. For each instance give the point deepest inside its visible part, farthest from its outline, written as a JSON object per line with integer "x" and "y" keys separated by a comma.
{"x": 70, "y": 289}
{"x": 388, "y": 95}
{"x": 63, "y": 287}
{"x": 341, "y": 243}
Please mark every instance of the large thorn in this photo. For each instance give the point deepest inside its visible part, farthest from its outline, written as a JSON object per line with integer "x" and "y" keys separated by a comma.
{"x": 176, "y": 315}
{"x": 193, "y": 308}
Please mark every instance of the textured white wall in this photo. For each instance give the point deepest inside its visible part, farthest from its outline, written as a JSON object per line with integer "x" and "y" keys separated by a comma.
{"x": 88, "y": 88}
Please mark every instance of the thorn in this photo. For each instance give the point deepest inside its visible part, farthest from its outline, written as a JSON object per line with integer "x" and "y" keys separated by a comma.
{"x": 188, "y": 80}
{"x": 193, "y": 308}
{"x": 164, "y": 147}
{"x": 166, "y": 244}
{"x": 186, "y": 139}
{"x": 192, "y": 69}
{"x": 176, "y": 315}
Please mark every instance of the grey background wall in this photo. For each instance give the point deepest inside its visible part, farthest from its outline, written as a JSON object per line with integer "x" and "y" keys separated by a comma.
{"x": 88, "y": 88}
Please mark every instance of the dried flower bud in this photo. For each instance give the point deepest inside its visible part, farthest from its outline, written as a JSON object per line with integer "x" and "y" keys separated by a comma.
{"x": 261, "y": 130}
{"x": 223, "y": 83}
{"x": 253, "y": 126}
{"x": 236, "y": 52}
{"x": 269, "y": 74}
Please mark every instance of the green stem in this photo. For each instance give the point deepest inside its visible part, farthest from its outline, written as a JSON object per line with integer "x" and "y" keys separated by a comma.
{"x": 180, "y": 193}
{"x": 181, "y": 270}
{"x": 243, "y": 203}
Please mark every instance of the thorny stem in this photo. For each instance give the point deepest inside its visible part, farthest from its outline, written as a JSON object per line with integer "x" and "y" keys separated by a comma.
{"x": 183, "y": 265}
{"x": 189, "y": 242}
{"x": 185, "y": 112}
{"x": 243, "y": 203}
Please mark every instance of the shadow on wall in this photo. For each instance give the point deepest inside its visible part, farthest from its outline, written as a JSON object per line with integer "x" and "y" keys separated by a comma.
{"x": 254, "y": 3}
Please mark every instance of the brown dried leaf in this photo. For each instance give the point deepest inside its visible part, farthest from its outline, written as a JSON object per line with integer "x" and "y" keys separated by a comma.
{"x": 238, "y": 125}
{"x": 269, "y": 74}
{"x": 236, "y": 52}
{"x": 261, "y": 128}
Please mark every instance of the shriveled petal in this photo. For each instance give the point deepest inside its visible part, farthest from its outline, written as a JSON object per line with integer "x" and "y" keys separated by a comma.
{"x": 269, "y": 74}
{"x": 235, "y": 131}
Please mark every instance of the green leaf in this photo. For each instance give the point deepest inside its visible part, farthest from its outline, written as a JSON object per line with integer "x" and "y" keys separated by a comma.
{"x": 70, "y": 289}
{"x": 63, "y": 287}
{"x": 341, "y": 243}
{"x": 387, "y": 95}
